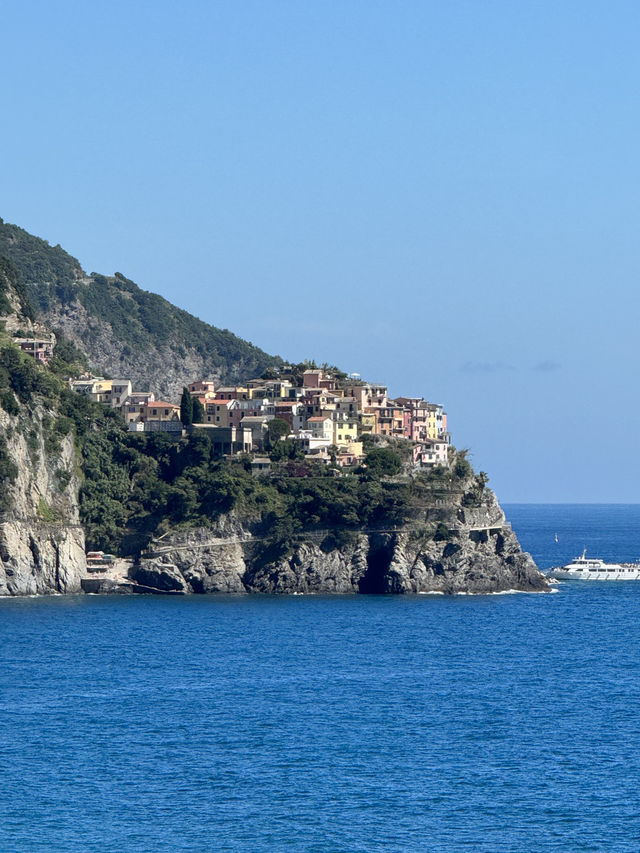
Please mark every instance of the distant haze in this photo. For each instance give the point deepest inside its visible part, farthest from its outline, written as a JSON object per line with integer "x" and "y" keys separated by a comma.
{"x": 442, "y": 197}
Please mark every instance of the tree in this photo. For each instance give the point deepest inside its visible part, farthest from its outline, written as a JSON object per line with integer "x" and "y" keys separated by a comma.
{"x": 186, "y": 407}
{"x": 278, "y": 428}
{"x": 285, "y": 450}
{"x": 462, "y": 467}
{"x": 382, "y": 462}
{"x": 197, "y": 416}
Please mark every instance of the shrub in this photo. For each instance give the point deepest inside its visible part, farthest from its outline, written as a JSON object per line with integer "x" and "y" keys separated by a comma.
{"x": 442, "y": 533}
{"x": 9, "y": 403}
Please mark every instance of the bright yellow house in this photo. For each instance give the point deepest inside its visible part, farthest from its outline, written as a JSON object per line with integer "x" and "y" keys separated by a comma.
{"x": 435, "y": 418}
{"x": 344, "y": 432}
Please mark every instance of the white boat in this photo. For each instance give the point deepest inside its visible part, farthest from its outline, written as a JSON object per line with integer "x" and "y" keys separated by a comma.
{"x": 593, "y": 569}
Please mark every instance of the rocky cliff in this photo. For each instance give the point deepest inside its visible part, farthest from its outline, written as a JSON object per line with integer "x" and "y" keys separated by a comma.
{"x": 42, "y": 548}
{"x": 389, "y": 529}
{"x": 457, "y": 550}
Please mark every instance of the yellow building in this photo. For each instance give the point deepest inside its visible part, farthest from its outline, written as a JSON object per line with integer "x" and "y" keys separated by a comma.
{"x": 436, "y": 420}
{"x": 344, "y": 432}
{"x": 102, "y": 390}
{"x": 369, "y": 422}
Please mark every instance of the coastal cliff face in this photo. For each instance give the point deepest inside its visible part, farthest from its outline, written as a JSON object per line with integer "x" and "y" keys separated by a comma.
{"x": 42, "y": 547}
{"x": 389, "y": 528}
{"x": 480, "y": 554}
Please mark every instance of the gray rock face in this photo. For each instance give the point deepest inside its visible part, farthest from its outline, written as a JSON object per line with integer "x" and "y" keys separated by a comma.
{"x": 40, "y": 559}
{"x": 473, "y": 562}
{"x": 159, "y": 575}
{"x": 158, "y": 367}
{"x": 479, "y": 554}
{"x": 38, "y": 553}
{"x": 311, "y": 569}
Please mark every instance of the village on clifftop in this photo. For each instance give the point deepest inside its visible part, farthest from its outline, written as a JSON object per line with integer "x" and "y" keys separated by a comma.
{"x": 323, "y": 414}
{"x": 326, "y": 413}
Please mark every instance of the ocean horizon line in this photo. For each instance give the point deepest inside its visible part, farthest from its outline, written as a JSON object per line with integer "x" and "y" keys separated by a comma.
{"x": 569, "y": 503}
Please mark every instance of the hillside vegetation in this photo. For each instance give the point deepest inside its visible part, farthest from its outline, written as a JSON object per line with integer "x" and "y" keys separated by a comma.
{"x": 122, "y": 329}
{"x": 135, "y": 486}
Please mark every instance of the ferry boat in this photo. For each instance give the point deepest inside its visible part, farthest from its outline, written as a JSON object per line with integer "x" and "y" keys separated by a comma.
{"x": 593, "y": 569}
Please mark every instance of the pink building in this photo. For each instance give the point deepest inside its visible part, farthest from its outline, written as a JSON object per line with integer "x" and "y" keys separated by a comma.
{"x": 368, "y": 396}
{"x": 418, "y": 420}
{"x": 317, "y": 379}
{"x": 202, "y": 386}
{"x": 431, "y": 452}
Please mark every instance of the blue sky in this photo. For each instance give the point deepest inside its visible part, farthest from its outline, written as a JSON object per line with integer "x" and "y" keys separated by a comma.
{"x": 439, "y": 196}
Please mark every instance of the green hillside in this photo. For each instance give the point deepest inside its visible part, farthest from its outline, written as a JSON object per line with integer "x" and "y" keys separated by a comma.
{"x": 122, "y": 328}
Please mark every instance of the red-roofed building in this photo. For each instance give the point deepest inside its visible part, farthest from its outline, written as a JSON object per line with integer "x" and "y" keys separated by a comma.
{"x": 159, "y": 410}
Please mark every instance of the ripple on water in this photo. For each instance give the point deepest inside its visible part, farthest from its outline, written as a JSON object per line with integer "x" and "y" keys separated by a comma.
{"x": 484, "y": 723}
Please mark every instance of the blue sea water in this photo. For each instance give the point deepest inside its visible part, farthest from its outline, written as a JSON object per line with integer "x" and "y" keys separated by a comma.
{"x": 363, "y": 723}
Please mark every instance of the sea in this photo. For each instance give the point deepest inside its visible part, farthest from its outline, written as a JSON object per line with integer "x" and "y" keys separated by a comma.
{"x": 347, "y": 723}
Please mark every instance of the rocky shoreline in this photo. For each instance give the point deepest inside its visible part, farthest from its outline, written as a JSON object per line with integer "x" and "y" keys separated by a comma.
{"x": 448, "y": 548}
{"x": 481, "y": 555}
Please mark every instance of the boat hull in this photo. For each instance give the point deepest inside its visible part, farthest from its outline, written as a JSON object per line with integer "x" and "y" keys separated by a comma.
{"x": 599, "y": 575}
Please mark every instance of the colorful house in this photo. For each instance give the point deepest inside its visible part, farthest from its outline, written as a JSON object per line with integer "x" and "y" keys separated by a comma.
{"x": 349, "y": 456}
{"x": 345, "y": 431}
{"x": 233, "y": 392}
{"x": 369, "y": 422}
{"x": 368, "y": 396}
{"x": 102, "y": 390}
{"x": 391, "y": 421}
{"x": 430, "y": 452}
{"x": 436, "y": 422}
{"x": 291, "y": 411}
{"x": 218, "y": 412}
{"x": 417, "y": 421}
{"x": 133, "y": 408}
